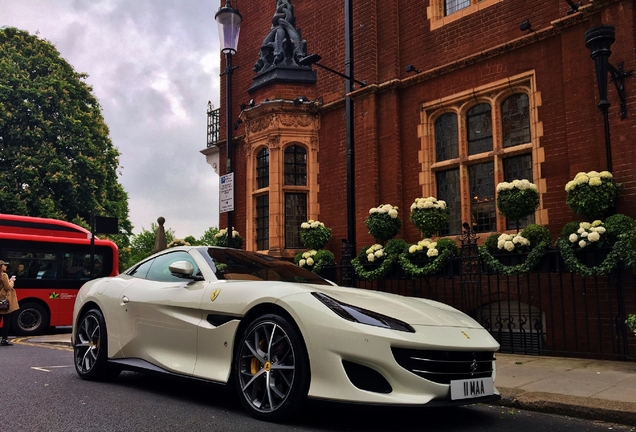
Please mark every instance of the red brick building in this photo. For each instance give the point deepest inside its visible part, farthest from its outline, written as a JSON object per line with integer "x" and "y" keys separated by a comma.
{"x": 497, "y": 90}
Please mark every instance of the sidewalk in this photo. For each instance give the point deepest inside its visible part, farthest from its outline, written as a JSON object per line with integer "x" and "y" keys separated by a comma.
{"x": 591, "y": 389}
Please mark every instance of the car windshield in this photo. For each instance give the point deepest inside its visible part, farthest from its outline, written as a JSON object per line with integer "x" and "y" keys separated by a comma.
{"x": 236, "y": 264}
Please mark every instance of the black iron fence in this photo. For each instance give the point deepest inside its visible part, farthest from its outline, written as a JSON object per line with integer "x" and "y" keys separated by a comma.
{"x": 548, "y": 311}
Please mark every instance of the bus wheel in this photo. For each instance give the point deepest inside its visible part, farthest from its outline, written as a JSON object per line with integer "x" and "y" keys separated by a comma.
{"x": 31, "y": 319}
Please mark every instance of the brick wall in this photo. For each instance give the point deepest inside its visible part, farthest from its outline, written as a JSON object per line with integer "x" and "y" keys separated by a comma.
{"x": 388, "y": 35}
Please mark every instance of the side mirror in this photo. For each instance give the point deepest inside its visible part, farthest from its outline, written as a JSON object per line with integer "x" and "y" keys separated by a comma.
{"x": 182, "y": 269}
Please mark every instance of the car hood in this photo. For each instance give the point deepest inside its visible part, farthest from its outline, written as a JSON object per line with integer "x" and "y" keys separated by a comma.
{"x": 412, "y": 310}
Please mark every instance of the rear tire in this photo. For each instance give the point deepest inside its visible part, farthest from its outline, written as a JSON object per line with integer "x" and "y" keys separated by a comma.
{"x": 32, "y": 319}
{"x": 271, "y": 369}
{"x": 90, "y": 348}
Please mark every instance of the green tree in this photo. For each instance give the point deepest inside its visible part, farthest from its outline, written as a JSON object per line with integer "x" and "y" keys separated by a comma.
{"x": 190, "y": 239}
{"x": 56, "y": 157}
{"x": 142, "y": 244}
{"x": 207, "y": 239}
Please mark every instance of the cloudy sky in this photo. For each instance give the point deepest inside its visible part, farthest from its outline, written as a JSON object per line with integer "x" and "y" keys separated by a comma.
{"x": 153, "y": 66}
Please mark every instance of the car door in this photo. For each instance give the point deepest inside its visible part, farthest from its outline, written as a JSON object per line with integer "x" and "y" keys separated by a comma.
{"x": 160, "y": 315}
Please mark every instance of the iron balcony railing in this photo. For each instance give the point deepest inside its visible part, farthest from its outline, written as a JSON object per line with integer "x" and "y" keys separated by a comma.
{"x": 213, "y": 125}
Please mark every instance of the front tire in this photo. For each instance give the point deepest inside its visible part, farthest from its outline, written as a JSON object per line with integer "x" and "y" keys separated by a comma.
{"x": 90, "y": 348}
{"x": 271, "y": 368}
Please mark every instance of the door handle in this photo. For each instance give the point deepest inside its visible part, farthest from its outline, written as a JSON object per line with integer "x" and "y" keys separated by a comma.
{"x": 125, "y": 300}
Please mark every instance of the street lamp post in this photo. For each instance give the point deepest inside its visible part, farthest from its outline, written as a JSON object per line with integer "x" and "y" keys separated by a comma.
{"x": 229, "y": 22}
{"x": 599, "y": 40}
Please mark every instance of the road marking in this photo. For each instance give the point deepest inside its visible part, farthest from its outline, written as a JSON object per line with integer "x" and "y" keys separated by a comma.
{"x": 24, "y": 341}
{"x": 46, "y": 368}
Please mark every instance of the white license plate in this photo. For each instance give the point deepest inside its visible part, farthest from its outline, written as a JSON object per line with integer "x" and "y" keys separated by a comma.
{"x": 472, "y": 388}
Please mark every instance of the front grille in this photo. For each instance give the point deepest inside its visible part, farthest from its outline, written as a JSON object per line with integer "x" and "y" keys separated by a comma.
{"x": 443, "y": 367}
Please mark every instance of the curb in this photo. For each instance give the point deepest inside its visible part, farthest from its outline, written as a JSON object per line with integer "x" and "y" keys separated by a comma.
{"x": 619, "y": 412}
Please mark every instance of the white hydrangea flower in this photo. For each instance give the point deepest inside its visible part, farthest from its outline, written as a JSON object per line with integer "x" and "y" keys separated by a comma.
{"x": 573, "y": 238}
{"x": 393, "y": 213}
{"x": 595, "y": 181}
{"x": 582, "y": 244}
{"x": 379, "y": 253}
{"x": 370, "y": 257}
{"x": 310, "y": 261}
{"x": 606, "y": 174}
{"x": 585, "y": 225}
{"x": 600, "y": 230}
{"x": 302, "y": 263}
{"x": 432, "y": 253}
{"x": 304, "y": 225}
{"x": 582, "y": 179}
{"x": 584, "y": 234}
{"x": 413, "y": 249}
{"x": 509, "y": 246}
{"x": 593, "y": 236}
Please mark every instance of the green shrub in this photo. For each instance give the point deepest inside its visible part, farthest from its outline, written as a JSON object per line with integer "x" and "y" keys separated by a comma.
{"x": 491, "y": 243}
{"x": 592, "y": 195}
{"x": 383, "y": 222}
{"x": 536, "y": 234}
{"x": 444, "y": 244}
{"x": 325, "y": 257}
{"x": 569, "y": 228}
{"x": 395, "y": 247}
{"x": 618, "y": 224}
{"x": 314, "y": 235}
{"x": 517, "y": 199}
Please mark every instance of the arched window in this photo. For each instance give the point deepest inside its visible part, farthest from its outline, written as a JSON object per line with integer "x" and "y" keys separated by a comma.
{"x": 463, "y": 167}
{"x": 446, "y": 142}
{"x": 295, "y": 199}
{"x": 515, "y": 120}
{"x": 295, "y": 166}
{"x": 262, "y": 200}
{"x": 479, "y": 129}
{"x": 262, "y": 169}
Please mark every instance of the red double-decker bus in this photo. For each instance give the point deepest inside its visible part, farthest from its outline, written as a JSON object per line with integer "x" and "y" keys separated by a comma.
{"x": 51, "y": 260}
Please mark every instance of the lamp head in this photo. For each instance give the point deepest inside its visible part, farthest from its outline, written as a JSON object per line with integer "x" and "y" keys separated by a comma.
{"x": 300, "y": 100}
{"x": 229, "y": 22}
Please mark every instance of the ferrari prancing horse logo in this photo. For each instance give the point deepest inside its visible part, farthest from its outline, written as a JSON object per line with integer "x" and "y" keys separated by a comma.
{"x": 215, "y": 294}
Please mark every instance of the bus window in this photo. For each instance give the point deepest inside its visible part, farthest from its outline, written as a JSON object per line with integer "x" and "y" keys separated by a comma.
{"x": 32, "y": 265}
{"x": 78, "y": 266}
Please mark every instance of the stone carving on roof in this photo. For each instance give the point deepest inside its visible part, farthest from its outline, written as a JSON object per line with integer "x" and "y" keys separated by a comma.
{"x": 283, "y": 44}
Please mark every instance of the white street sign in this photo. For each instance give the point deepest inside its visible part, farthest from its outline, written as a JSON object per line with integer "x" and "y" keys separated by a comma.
{"x": 226, "y": 193}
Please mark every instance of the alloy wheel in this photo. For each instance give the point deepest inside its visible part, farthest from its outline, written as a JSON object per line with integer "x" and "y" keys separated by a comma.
{"x": 267, "y": 367}
{"x": 87, "y": 343}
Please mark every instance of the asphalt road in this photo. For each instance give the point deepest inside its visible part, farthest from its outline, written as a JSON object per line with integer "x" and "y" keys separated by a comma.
{"x": 40, "y": 391}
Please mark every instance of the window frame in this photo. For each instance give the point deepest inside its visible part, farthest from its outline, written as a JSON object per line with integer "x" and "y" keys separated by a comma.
{"x": 436, "y": 11}
{"x": 494, "y": 94}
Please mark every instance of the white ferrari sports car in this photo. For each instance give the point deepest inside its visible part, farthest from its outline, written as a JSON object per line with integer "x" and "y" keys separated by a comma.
{"x": 279, "y": 334}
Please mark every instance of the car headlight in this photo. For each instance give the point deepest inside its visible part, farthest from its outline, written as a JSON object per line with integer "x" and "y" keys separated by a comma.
{"x": 362, "y": 316}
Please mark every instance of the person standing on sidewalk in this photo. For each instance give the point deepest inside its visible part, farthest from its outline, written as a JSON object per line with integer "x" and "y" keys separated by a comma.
{"x": 7, "y": 292}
